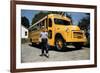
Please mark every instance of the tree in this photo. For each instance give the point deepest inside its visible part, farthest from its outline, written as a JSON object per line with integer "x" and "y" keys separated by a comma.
{"x": 25, "y": 22}
{"x": 39, "y": 16}
{"x": 69, "y": 16}
{"x": 84, "y": 24}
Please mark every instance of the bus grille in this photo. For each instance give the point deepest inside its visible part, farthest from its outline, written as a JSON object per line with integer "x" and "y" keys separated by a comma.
{"x": 78, "y": 35}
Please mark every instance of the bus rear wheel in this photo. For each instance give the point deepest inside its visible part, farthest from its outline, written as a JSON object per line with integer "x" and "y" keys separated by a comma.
{"x": 59, "y": 44}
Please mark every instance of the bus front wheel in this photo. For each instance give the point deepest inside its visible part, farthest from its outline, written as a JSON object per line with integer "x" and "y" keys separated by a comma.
{"x": 59, "y": 44}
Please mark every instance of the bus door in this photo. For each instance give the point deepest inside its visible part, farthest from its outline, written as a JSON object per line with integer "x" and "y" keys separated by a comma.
{"x": 50, "y": 35}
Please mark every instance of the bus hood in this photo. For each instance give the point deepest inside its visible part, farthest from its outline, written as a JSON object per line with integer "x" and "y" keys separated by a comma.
{"x": 72, "y": 28}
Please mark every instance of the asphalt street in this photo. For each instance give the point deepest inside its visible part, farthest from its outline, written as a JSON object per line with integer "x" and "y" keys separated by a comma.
{"x": 31, "y": 53}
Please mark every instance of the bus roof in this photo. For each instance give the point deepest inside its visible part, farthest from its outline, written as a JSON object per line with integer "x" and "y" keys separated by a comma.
{"x": 59, "y": 16}
{"x": 51, "y": 15}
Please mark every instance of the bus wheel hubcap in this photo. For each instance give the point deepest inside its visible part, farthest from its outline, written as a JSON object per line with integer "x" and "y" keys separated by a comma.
{"x": 59, "y": 44}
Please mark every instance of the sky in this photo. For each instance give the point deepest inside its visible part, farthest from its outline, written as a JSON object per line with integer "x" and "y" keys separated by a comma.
{"x": 76, "y": 16}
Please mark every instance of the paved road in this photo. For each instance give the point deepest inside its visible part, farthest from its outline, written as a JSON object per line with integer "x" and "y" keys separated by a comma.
{"x": 32, "y": 54}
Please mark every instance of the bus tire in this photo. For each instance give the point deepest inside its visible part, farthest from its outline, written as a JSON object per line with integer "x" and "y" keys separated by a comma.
{"x": 59, "y": 44}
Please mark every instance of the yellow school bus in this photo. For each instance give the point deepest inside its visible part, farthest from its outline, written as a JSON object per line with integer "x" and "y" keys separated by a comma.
{"x": 61, "y": 32}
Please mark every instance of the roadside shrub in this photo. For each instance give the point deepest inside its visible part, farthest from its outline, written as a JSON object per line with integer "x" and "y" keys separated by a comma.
{"x": 24, "y": 40}
{"x": 87, "y": 44}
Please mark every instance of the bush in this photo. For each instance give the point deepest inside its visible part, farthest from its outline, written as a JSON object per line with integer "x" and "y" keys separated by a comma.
{"x": 87, "y": 44}
{"x": 24, "y": 40}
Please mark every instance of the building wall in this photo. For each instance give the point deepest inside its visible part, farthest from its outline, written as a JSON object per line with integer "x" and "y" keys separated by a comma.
{"x": 24, "y": 32}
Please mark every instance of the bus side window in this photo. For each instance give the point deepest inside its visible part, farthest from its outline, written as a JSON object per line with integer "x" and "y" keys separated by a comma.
{"x": 50, "y": 23}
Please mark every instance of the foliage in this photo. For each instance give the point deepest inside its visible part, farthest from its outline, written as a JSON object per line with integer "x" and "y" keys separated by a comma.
{"x": 39, "y": 16}
{"x": 84, "y": 24}
{"x": 25, "y": 40}
{"x": 69, "y": 16}
{"x": 25, "y": 22}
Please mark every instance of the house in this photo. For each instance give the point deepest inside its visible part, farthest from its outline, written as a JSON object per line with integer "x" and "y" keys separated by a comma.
{"x": 24, "y": 32}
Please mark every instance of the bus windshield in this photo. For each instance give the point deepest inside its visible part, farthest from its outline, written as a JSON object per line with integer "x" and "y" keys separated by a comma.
{"x": 61, "y": 22}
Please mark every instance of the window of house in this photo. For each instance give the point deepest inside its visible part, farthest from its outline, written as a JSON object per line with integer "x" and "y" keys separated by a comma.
{"x": 25, "y": 33}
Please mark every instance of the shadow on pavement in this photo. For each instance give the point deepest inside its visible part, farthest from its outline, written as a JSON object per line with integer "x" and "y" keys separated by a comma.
{"x": 66, "y": 49}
